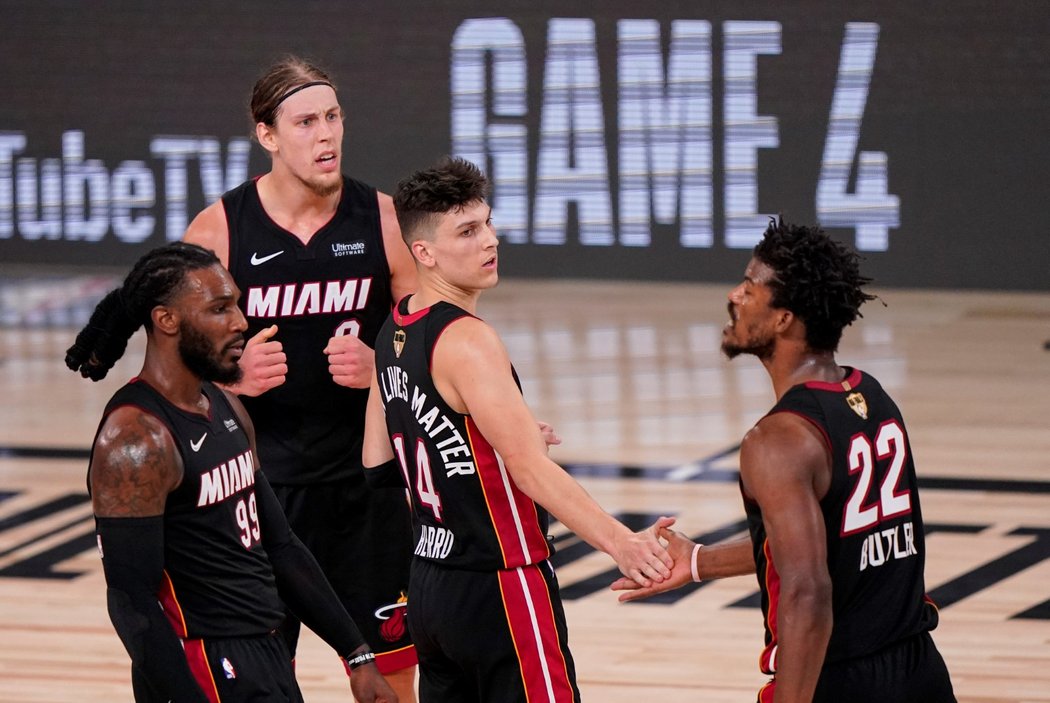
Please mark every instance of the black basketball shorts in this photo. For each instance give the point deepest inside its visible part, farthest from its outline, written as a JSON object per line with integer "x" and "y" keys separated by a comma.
{"x": 910, "y": 671}
{"x": 487, "y": 636}
{"x": 363, "y": 541}
{"x": 235, "y": 670}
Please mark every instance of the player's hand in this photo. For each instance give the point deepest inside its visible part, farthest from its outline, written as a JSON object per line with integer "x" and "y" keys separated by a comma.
{"x": 550, "y": 437}
{"x": 350, "y": 361}
{"x": 641, "y": 557}
{"x": 680, "y": 548}
{"x": 263, "y": 363}
{"x": 369, "y": 686}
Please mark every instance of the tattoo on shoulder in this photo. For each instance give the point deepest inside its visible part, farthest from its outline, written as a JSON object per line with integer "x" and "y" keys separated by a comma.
{"x": 134, "y": 468}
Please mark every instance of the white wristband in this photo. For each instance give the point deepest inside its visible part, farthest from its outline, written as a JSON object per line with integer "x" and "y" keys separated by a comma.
{"x": 692, "y": 564}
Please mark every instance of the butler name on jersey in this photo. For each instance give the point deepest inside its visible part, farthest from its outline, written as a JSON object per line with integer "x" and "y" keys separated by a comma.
{"x": 897, "y": 542}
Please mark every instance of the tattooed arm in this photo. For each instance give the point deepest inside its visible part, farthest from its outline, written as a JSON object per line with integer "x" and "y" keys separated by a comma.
{"x": 134, "y": 466}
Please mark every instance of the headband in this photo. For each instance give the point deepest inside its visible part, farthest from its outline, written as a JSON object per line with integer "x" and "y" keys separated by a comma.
{"x": 295, "y": 90}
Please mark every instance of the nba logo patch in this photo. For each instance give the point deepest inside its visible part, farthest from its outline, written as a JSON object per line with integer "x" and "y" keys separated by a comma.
{"x": 227, "y": 669}
{"x": 399, "y": 342}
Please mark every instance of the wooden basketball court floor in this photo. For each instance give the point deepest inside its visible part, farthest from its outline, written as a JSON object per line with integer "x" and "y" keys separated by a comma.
{"x": 631, "y": 376}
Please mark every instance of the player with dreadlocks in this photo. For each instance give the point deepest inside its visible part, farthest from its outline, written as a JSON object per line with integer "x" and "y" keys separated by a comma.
{"x": 198, "y": 556}
{"x": 829, "y": 488}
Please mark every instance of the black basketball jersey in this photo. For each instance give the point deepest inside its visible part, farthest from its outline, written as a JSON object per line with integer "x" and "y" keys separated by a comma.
{"x": 467, "y": 511}
{"x": 875, "y": 542}
{"x": 218, "y": 581}
{"x": 309, "y": 429}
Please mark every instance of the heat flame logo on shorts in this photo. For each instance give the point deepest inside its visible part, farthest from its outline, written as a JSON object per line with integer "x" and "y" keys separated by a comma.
{"x": 393, "y": 617}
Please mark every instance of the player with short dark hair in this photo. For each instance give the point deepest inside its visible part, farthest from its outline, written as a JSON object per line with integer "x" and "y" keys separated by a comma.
{"x": 198, "y": 556}
{"x": 830, "y": 492}
{"x": 486, "y": 616}
{"x": 320, "y": 259}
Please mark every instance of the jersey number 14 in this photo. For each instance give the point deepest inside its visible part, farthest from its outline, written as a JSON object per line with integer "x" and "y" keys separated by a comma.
{"x": 425, "y": 490}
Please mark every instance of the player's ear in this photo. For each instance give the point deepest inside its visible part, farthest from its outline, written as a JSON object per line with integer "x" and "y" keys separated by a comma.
{"x": 165, "y": 319}
{"x": 264, "y": 134}
{"x": 421, "y": 250}
{"x": 784, "y": 319}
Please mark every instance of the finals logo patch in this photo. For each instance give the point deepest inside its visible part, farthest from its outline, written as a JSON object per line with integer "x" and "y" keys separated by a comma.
{"x": 858, "y": 405}
{"x": 399, "y": 342}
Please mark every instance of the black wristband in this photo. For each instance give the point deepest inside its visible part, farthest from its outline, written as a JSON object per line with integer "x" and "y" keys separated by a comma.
{"x": 360, "y": 660}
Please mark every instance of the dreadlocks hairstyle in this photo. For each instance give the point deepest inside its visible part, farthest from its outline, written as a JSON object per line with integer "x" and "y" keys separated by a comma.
{"x": 155, "y": 280}
{"x": 448, "y": 186}
{"x": 817, "y": 279}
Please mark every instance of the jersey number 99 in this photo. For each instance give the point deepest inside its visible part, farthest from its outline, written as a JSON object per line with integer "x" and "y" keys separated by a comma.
{"x": 247, "y": 515}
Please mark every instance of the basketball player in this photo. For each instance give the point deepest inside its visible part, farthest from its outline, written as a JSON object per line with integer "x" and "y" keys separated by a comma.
{"x": 486, "y": 617}
{"x": 830, "y": 493}
{"x": 319, "y": 257}
{"x": 197, "y": 554}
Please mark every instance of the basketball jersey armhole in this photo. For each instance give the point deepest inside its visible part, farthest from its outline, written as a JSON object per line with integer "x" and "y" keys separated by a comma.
{"x": 812, "y": 421}
{"x": 437, "y": 338}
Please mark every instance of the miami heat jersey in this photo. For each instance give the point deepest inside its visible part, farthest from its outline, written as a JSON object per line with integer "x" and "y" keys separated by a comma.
{"x": 310, "y": 428}
{"x": 218, "y": 581}
{"x": 467, "y": 511}
{"x": 875, "y": 542}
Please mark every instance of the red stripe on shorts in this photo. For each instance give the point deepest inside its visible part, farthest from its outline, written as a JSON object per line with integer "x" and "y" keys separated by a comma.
{"x": 530, "y": 618}
{"x": 198, "y": 661}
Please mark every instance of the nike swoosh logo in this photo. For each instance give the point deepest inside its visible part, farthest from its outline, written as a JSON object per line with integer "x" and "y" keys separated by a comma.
{"x": 197, "y": 445}
{"x": 256, "y": 259}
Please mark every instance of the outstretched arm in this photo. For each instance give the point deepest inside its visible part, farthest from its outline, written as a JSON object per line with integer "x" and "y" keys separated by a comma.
{"x": 134, "y": 465}
{"x": 472, "y": 372}
{"x": 716, "y": 561}
{"x": 785, "y": 467}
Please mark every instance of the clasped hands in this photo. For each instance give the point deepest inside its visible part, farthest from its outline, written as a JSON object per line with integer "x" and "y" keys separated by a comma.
{"x": 679, "y": 550}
